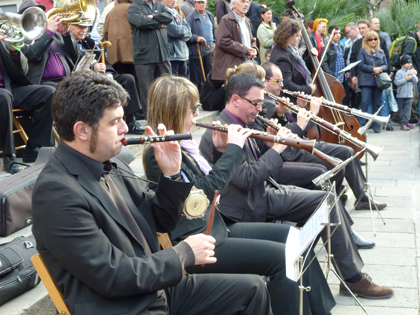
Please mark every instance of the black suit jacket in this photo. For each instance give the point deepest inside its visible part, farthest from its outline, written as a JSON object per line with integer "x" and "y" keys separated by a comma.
{"x": 247, "y": 197}
{"x": 222, "y": 172}
{"x": 13, "y": 68}
{"x": 91, "y": 253}
{"x": 38, "y": 53}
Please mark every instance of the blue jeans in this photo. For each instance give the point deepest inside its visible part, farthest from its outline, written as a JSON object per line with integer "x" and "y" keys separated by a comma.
{"x": 370, "y": 94}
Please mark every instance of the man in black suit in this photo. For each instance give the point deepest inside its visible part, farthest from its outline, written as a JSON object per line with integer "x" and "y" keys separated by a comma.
{"x": 254, "y": 194}
{"x": 17, "y": 92}
{"x": 97, "y": 231}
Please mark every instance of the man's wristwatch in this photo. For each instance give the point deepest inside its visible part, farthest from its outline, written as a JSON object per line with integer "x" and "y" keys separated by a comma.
{"x": 173, "y": 177}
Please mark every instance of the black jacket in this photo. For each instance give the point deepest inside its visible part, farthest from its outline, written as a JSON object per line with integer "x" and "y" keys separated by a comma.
{"x": 38, "y": 53}
{"x": 150, "y": 42}
{"x": 218, "y": 178}
{"x": 14, "y": 67}
{"x": 329, "y": 61}
{"x": 253, "y": 15}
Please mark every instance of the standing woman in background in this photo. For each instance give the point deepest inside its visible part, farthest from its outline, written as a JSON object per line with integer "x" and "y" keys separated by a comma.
{"x": 265, "y": 32}
{"x": 318, "y": 37}
{"x": 373, "y": 61}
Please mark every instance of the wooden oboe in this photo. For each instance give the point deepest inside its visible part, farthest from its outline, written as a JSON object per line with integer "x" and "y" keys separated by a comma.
{"x": 333, "y": 162}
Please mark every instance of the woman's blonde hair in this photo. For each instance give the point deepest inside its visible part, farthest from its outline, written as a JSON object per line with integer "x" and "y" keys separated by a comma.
{"x": 169, "y": 101}
{"x": 246, "y": 67}
{"x": 369, "y": 35}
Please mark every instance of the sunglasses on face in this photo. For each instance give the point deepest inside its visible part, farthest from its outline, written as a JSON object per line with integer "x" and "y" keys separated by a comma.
{"x": 195, "y": 108}
{"x": 372, "y": 39}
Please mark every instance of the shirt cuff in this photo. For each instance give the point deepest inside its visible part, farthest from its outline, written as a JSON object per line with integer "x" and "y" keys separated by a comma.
{"x": 185, "y": 254}
{"x": 49, "y": 32}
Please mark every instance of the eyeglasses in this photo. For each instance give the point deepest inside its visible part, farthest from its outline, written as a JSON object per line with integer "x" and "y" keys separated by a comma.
{"x": 255, "y": 103}
{"x": 278, "y": 81}
{"x": 195, "y": 108}
{"x": 323, "y": 26}
{"x": 372, "y": 39}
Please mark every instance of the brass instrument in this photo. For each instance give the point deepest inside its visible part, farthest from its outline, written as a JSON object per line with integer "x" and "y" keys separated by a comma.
{"x": 30, "y": 25}
{"x": 372, "y": 150}
{"x": 383, "y": 121}
{"x": 72, "y": 13}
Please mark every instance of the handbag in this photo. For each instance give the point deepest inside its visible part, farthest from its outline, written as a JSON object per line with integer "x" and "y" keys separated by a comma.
{"x": 383, "y": 80}
{"x": 17, "y": 274}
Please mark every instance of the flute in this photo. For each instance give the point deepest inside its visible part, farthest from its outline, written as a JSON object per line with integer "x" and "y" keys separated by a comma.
{"x": 331, "y": 161}
{"x": 372, "y": 150}
{"x": 307, "y": 145}
{"x": 343, "y": 108}
{"x": 151, "y": 139}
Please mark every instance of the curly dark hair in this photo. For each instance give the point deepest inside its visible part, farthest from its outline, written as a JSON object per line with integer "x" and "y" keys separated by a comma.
{"x": 283, "y": 32}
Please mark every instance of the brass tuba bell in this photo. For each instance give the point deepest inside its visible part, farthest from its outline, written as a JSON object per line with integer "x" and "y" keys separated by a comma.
{"x": 71, "y": 14}
{"x": 30, "y": 25}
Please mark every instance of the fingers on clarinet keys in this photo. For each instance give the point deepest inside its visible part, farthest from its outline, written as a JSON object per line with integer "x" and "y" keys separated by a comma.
{"x": 364, "y": 205}
{"x": 367, "y": 289}
{"x": 135, "y": 128}
{"x": 361, "y": 242}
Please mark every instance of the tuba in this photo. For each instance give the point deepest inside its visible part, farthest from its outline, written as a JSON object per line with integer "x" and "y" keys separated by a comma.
{"x": 72, "y": 13}
{"x": 30, "y": 25}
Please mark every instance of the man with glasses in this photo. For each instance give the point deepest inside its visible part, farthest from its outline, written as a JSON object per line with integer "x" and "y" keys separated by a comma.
{"x": 255, "y": 195}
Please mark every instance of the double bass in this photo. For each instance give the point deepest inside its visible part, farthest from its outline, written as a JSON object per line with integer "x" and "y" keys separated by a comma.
{"x": 331, "y": 89}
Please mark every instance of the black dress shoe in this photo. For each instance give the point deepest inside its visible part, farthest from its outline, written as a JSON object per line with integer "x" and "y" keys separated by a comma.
{"x": 30, "y": 156}
{"x": 376, "y": 130}
{"x": 139, "y": 115}
{"x": 135, "y": 128}
{"x": 10, "y": 164}
{"x": 389, "y": 128}
{"x": 364, "y": 205}
{"x": 360, "y": 242}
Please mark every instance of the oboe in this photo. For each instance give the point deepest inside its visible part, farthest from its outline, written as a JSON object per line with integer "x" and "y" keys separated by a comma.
{"x": 343, "y": 108}
{"x": 307, "y": 145}
{"x": 333, "y": 162}
{"x": 151, "y": 139}
{"x": 372, "y": 150}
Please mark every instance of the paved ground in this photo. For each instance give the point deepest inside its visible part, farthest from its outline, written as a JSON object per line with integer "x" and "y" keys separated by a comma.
{"x": 395, "y": 179}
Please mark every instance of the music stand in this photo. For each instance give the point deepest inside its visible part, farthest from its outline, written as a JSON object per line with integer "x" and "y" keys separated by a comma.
{"x": 85, "y": 60}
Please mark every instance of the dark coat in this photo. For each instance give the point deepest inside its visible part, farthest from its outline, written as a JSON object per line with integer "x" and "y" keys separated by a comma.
{"x": 221, "y": 7}
{"x": 229, "y": 51}
{"x": 38, "y": 53}
{"x": 246, "y": 198}
{"x": 253, "y": 14}
{"x": 195, "y": 23}
{"x": 218, "y": 178}
{"x": 212, "y": 94}
{"x": 150, "y": 44}
{"x": 92, "y": 255}
{"x": 365, "y": 67}
{"x": 14, "y": 67}
{"x": 293, "y": 75}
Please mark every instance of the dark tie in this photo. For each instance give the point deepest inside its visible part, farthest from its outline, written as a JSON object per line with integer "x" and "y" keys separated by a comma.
{"x": 108, "y": 184}
{"x": 61, "y": 57}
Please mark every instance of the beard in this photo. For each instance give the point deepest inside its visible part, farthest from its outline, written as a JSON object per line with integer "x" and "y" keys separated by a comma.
{"x": 93, "y": 141}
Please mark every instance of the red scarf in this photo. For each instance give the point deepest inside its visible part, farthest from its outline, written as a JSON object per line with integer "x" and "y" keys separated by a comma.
{"x": 318, "y": 42}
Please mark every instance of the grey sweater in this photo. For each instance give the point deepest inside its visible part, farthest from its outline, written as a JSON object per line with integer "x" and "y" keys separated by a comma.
{"x": 405, "y": 88}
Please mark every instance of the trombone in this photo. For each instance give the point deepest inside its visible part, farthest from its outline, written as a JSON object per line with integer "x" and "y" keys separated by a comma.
{"x": 71, "y": 14}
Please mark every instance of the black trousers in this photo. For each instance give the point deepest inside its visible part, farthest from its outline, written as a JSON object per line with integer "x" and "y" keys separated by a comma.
{"x": 146, "y": 74}
{"x": 35, "y": 99}
{"x": 179, "y": 68}
{"x": 128, "y": 82}
{"x": 196, "y": 73}
{"x": 259, "y": 248}
{"x": 127, "y": 68}
{"x": 301, "y": 174}
{"x": 218, "y": 294}
{"x": 352, "y": 172}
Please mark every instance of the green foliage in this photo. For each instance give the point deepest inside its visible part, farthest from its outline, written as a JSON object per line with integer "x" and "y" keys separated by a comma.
{"x": 400, "y": 19}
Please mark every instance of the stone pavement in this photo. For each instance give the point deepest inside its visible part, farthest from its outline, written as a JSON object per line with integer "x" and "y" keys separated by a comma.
{"x": 393, "y": 262}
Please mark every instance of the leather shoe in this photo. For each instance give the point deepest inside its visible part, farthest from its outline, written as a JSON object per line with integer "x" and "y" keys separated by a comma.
{"x": 376, "y": 130}
{"x": 365, "y": 205}
{"x": 139, "y": 115}
{"x": 360, "y": 242}
{"x": 389, "y": 128}
{"x": 10, "y": 164}
{"x": 367, "y": 289}
{"x": 135, "y": 128}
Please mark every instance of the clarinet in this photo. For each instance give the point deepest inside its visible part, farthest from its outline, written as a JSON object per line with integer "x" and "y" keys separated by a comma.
{"x": 151, "y": 139}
